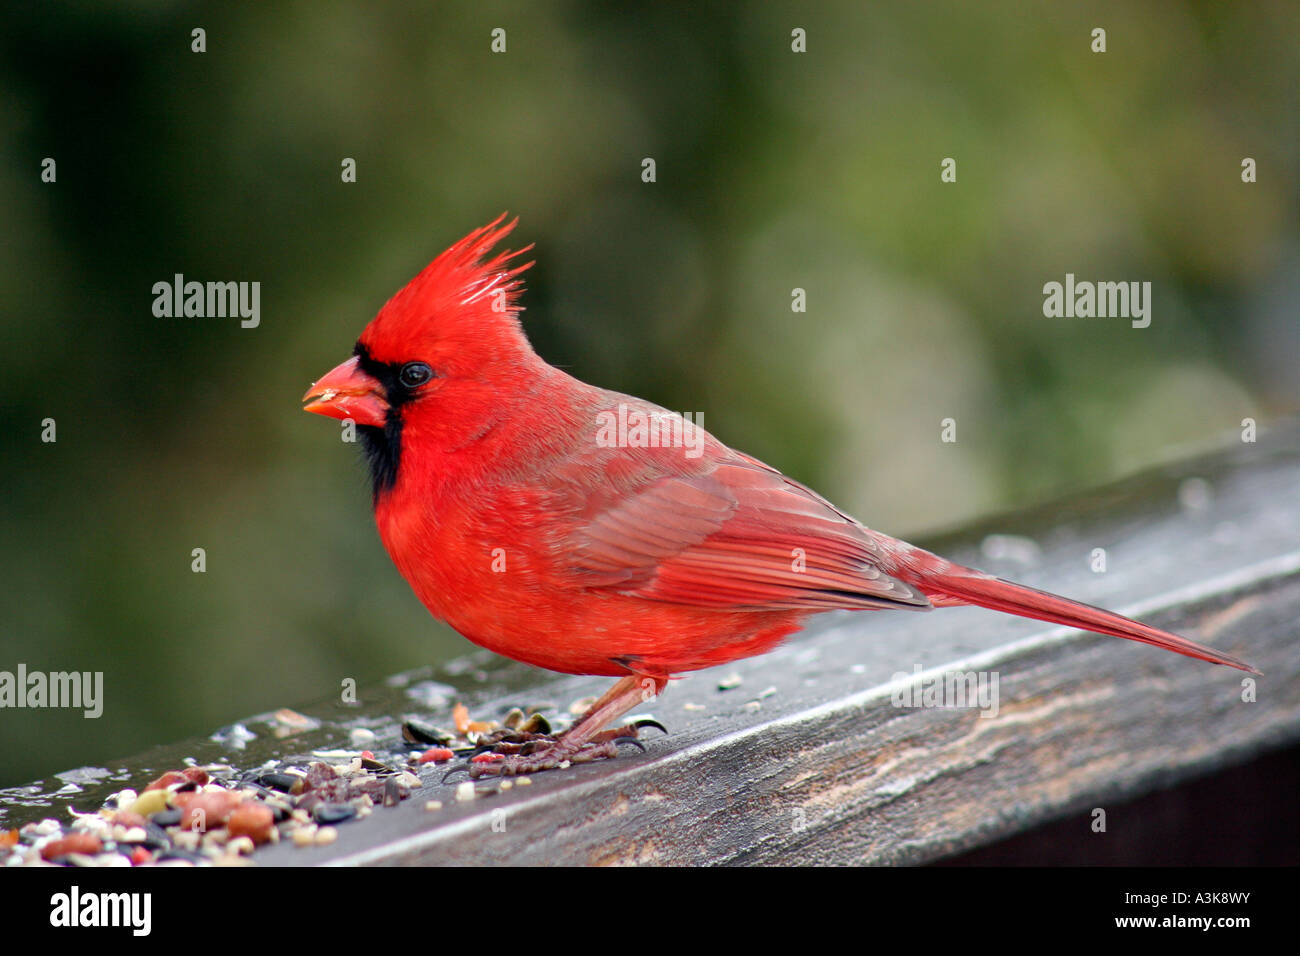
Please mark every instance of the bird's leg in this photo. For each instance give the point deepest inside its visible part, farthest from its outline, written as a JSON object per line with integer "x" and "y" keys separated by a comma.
{"x": 585, "y": 741}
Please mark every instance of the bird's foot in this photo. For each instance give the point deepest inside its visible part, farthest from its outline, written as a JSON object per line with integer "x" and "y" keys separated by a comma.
{"x": 512, "y": 754}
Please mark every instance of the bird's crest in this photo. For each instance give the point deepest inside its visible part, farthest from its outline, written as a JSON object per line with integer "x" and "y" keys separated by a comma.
{"x": 461, "y": 295}
{"x": 463, "y": 264}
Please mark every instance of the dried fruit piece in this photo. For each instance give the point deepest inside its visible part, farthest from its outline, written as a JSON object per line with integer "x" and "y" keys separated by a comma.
{"x": 86, "y": 843}
{"x": 150, "y": 802}
{"x": 206, "y": 809}
{"x": 253, "y": 820}
{"x": 168, "y": 779}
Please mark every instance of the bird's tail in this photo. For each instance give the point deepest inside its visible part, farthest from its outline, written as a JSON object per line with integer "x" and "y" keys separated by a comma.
{"x": 958, "y": 585}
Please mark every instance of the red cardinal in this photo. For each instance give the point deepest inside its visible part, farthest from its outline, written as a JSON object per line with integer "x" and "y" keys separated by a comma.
{"x": 517, "y": 520}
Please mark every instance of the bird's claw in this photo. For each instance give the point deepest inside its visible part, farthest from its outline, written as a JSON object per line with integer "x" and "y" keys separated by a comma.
{"x": 524, "y": 752}
{"x": 457, "y": 769}
{"x": 649, "y": 722}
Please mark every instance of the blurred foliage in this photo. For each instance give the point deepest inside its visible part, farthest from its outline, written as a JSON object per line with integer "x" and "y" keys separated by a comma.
{"x": 776, "y": 170}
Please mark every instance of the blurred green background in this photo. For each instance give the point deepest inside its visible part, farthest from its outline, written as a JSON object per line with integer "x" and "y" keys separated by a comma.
{"x": 775, "y": 170}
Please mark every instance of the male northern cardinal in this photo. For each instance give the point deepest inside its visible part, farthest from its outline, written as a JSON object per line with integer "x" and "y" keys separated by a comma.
{"x": 517, "y": 521}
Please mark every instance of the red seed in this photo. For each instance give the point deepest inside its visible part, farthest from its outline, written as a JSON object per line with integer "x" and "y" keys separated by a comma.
{"x": 72, "y": 843}
{"x": 166, "y": 780}
{"x": 436, "y": 755}
{"x": 128, "y": 819}
{"x": 367, "y": 755}
{"x": 254, "y": 820}
{"x": 460, "y": 717}
{"x": 206, "y": 810}
{"x": 140, "y": 855}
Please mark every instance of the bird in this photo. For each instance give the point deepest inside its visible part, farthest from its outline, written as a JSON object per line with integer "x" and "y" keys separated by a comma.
{"x": 527, "y": 523}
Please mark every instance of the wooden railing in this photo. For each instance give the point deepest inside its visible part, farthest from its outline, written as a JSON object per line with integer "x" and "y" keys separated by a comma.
{"x": 817, "y": 753}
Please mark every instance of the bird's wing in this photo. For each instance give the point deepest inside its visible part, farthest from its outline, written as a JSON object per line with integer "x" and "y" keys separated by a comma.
{"x": 729, "y": 532}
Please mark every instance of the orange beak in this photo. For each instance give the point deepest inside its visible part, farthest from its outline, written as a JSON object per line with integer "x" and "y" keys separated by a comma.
{"x": 347, "y": 392}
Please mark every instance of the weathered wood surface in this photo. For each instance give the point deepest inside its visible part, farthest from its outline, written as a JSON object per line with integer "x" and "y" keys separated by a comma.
{"x": 826, "y": 769}
{"x": 809, "y": 760}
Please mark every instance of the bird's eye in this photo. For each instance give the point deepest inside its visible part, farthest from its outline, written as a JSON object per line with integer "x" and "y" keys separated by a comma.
{"x": 414, "y": 374}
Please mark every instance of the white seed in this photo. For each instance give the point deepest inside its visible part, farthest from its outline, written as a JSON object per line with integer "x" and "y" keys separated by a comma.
{"x": 242, "y": 845}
